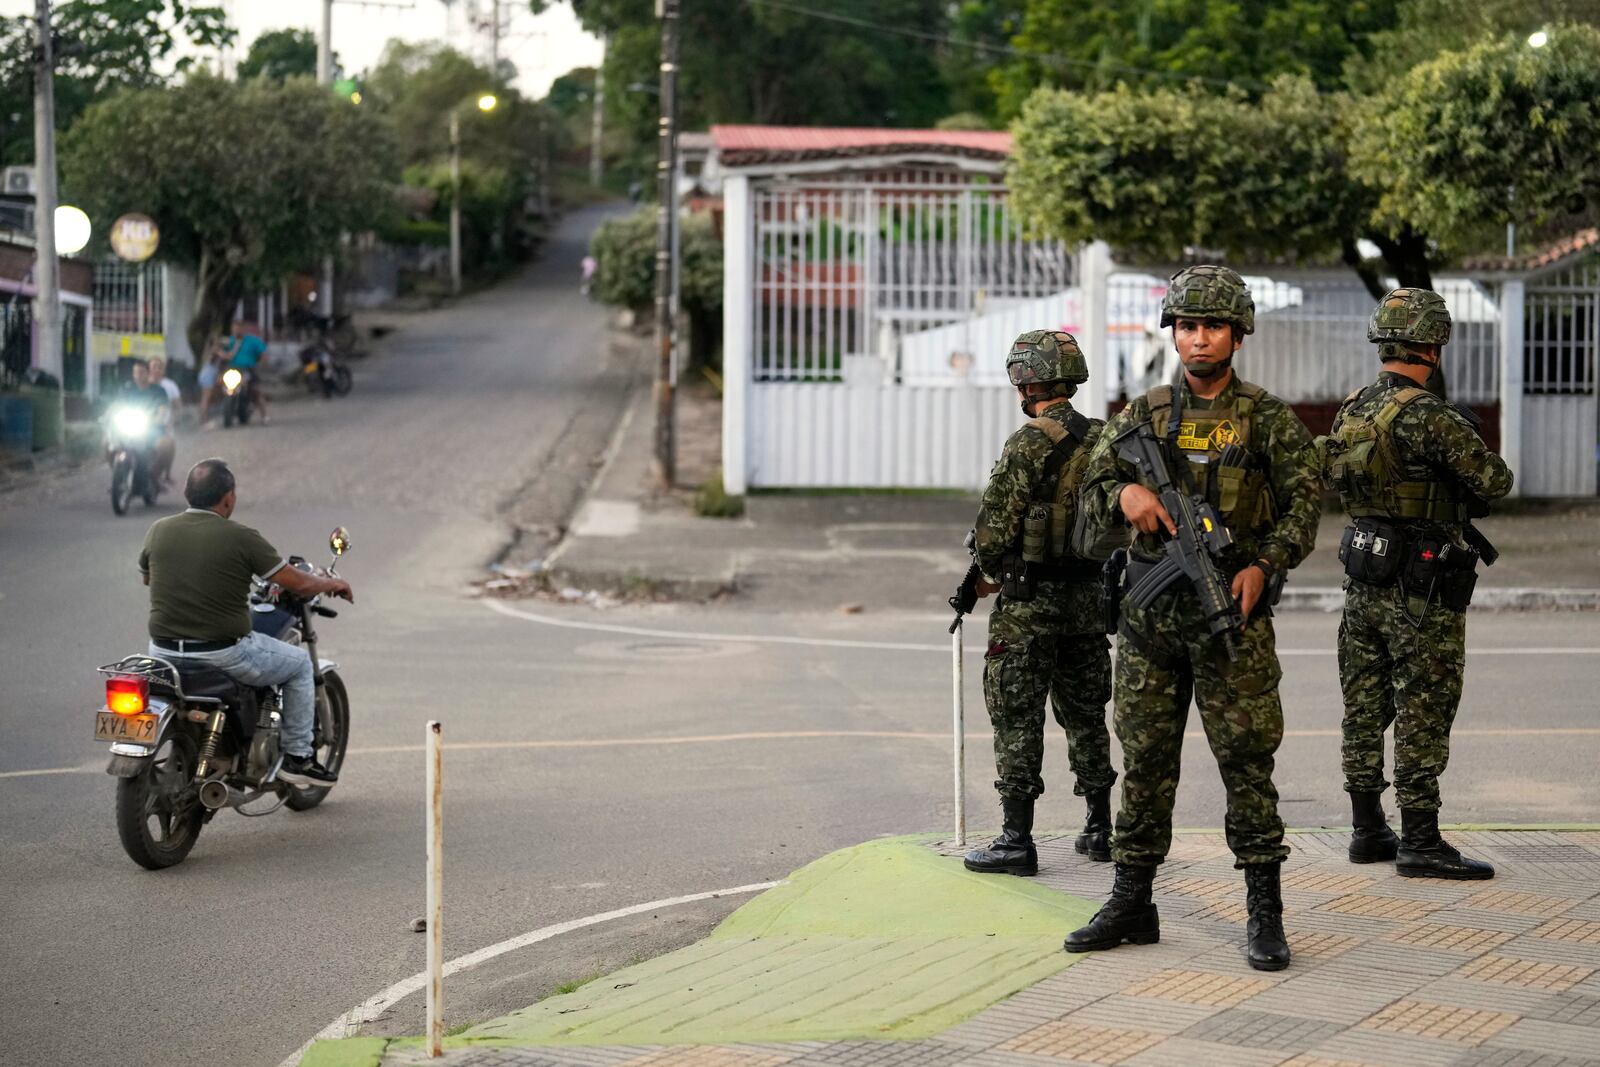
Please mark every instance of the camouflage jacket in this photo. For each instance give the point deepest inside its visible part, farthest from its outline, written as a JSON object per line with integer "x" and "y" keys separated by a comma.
{"x": 1433, "y": 441}
{"x": 1017, "y": 480}
{"x": 1279, "y": 448}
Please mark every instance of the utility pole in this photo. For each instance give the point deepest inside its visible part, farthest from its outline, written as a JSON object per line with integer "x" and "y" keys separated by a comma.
{"x": 325, "y": 79}
{"x": 47, "y": 317}
{"x": 455, "y": 202}
{"x": 667, "y": 221}
{"x": 598, "y": 129}
{"x": 494, "y": 39}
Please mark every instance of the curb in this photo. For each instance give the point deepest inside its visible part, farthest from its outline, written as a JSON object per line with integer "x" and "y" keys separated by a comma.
{"x": 1514, "y": 598}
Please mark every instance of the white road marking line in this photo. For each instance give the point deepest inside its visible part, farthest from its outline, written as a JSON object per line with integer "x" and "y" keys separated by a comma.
{"x": 82, "y": 769}
{"x": 349, "y": 1024}
{"x": 507, "y": 610}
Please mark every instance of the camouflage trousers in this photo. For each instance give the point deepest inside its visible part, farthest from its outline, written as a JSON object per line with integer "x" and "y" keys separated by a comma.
{"x": 1393, "y": 672}
{"x": 1164, "y": 656}
{"x": 1030, "y": 657}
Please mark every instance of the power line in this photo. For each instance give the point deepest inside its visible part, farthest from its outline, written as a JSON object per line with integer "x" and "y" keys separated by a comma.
{"x": 1054, "y": 58}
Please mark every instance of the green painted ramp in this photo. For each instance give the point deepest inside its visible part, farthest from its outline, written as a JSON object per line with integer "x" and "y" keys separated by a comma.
{"x": 886, "y": 939}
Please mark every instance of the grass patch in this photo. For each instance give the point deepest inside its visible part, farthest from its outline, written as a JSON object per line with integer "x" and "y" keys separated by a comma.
{"x": 712, "y": 501}
{"x": 573, "y": 986}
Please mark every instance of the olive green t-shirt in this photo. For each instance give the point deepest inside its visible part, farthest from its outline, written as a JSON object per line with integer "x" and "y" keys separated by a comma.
{"x": 199, "y": 566}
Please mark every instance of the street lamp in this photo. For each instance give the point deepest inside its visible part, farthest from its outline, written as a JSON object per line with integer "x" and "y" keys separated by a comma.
{"x": 1538, "y": 39}
{"x": 72, "y": 230}
{"x": 486, "y": 103}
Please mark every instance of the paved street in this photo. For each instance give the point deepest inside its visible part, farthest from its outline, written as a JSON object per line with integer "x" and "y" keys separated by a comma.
{"x": 596, "y": 764}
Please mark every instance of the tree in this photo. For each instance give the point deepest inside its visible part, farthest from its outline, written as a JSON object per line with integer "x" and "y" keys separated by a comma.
{"x": 1168, "y": 171}
{"x": 105, "y": 45}
{"x": 1245, "y": 42}
{"x": 755, "y": 62}
{"x": 280, "y": 54}
{"x": 248, "y": 182}
{"x": 1502, "y": 132}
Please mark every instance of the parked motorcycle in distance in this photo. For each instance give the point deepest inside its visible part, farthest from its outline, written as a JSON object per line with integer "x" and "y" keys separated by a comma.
{"x": 239, "y": 388}
{"x": 324, "y": 372}
{"x": 131, "y": 434}
{"x": 187, "y": 742}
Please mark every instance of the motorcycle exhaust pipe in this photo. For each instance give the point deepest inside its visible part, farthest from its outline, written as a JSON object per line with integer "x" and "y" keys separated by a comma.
{"x": 213, "y": 794}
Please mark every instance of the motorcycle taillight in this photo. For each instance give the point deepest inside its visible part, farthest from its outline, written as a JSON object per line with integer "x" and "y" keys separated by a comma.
{"x": 128, "y": 696}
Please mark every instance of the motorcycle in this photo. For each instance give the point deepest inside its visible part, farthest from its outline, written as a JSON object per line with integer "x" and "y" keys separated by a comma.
{"x": 323, "y": 370}
{"x": 240, "y": 387}
{"x": 188, "y": 741}
{"x": 131, "y": 434}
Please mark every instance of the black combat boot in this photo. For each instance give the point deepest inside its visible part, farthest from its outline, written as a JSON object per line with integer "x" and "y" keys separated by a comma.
{"x": 1265, "y": 946}
{"x": 1012, "y": 852}
{"x": 1128, "y": 916}
{"x": 1424, "y": 854}
{"x": 1371, "y": 841}
{"x": 1095, "y": 841}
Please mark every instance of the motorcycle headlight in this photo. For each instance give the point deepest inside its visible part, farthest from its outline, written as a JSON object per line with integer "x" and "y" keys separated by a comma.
{"x": 130, "y": 422}
{"x": 231, "y": 379}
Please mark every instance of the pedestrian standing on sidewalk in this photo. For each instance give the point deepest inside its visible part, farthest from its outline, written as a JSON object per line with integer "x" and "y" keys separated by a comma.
{"x": 1046, "y": 633}
{"x": 1411, "y": 471}
{"x": 1250, "y": 457}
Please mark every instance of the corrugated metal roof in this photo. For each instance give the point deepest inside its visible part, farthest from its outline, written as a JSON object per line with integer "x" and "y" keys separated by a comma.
{"x": 765, "y": 144}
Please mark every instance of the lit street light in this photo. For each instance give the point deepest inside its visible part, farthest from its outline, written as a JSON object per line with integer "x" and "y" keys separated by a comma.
{"x": 486, "y": 103}
{"x": 1538, "y": 39}
{"x": 72, "y": 230}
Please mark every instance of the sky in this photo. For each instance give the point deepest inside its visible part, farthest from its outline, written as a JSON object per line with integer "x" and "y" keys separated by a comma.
{"x": 542, "y": 47}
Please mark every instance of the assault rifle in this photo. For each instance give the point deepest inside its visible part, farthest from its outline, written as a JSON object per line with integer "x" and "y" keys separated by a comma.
{"x": 966, "y": 597}
{"x": 1192, "y": 552}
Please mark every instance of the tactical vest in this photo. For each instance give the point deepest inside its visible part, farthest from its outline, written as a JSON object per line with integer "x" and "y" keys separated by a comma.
{"x": 1047, "y": 522}
{"x": 1237, "y": 488}
{"x": 1366, "y": 468}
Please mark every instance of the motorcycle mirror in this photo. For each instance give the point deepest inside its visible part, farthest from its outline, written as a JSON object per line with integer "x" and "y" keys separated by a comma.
{"x": 339, "y": 541}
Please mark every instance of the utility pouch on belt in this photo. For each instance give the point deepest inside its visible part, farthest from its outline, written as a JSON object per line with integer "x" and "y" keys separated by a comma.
{"x": 1435, "y": 567}
{"x": 1016, "y": 581}
{"x": 1111, "y": 589}
{"x": 1035, "y": 532}
{"x": 1372, "y": 551}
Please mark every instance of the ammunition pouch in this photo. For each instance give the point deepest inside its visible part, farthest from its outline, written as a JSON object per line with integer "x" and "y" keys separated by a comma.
{"x": 1373, "y": 551}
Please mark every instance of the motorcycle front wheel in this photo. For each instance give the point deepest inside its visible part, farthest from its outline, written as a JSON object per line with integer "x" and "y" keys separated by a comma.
{"x": 149, "y": 488}
{"x": 158, "y": 814}
{"x": 121, "y": 483}
{"x": 228, "y": 408}
{"x": 331, "y": 740}
{"x": 342, "y": 380}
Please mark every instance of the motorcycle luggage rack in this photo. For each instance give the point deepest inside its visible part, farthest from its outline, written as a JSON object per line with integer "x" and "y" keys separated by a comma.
{"x": 156, "y": 670}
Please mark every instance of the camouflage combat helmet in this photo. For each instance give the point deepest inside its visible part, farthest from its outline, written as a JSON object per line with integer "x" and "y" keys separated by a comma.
{"x": 1046, "y": 356}
{"x": 1209, "y": 292}
{"x": 1417, "y": 316}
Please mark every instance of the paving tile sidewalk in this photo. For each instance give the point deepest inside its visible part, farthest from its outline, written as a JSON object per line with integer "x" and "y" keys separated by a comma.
{"x": 902, "y": 551}
{"x": 1387, "y": 971}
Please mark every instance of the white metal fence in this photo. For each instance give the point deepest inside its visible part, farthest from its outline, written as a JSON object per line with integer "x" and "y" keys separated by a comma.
{"x": 1561, "y": 347}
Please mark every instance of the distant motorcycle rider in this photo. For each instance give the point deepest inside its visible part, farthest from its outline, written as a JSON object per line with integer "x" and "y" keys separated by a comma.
{"x": 198, "y": 565}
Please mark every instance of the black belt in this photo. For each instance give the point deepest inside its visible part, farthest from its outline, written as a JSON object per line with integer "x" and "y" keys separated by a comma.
{"x": 183, "y": 645}
{"x": 1064, "y": 572}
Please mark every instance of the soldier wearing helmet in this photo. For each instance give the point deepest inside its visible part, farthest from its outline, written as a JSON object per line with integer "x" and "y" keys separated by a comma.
{"x": 1045, "y": 632}
{"x": 1411, "y": 470}
{"x": 1247, "y": 454}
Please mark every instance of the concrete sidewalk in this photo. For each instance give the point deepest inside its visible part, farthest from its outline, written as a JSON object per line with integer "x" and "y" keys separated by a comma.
{"x": 890, "y": 953}
{"x": 883, "y": 551}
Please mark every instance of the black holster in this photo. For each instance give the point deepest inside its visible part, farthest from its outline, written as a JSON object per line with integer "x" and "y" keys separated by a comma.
{"x": 1111, "y": 589}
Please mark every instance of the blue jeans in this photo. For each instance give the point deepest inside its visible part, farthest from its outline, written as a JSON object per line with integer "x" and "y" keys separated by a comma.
{"x": 261, "y": 660}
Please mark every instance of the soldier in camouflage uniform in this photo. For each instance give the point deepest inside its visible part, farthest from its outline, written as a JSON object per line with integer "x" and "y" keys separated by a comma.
{"x": 1410, "y": 469}
{"x": 1248, "y": 454}
{"x": 1046, "y": 634}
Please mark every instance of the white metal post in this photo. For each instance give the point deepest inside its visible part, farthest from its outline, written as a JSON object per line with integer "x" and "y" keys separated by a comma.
{"x": 959, "y": 699}
{"x": 1094, "y": 273}
{"x": 435, "y": 901}
{"x": 1512, "y": 295}
{"x": 738, "y": 287}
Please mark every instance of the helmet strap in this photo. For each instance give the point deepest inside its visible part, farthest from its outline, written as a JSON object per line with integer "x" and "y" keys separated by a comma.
{"x": 1397, "y": 352}
{"x": 1207, "y": 371}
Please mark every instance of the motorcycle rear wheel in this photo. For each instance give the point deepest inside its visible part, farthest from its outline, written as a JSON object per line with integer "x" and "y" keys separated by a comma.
{"x": 342, "y": 380}
{"x": 121, "y": 484}
{"x": 332, "y": 738}
{"x": 158, "y": 814}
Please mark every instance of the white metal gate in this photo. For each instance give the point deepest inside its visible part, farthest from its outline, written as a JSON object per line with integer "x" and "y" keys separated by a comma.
{"x": 879, "y": 316}
{"x": 1561, "y": 339}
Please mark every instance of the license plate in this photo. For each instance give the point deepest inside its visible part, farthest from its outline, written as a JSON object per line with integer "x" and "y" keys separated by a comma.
{"x": 140, "y": 729}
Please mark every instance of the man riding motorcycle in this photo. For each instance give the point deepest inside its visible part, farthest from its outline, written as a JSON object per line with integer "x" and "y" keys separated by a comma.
{"x": 147, "y": 394}
{"x": 198, "y": 566}
{"x": 244, "y": 351}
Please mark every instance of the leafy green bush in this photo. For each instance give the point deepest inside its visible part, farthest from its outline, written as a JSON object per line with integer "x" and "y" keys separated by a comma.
{"x": 625, "y": 249}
